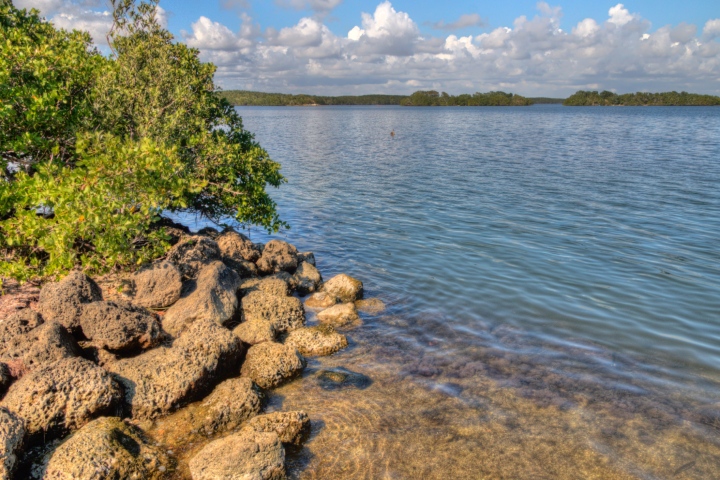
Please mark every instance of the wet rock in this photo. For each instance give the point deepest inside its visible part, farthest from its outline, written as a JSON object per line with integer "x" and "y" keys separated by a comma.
{"x": 270, "y": 364}
{"x": 371, "y": 306}
{"x": 344, "y": 287}
{"x": 308, "y": 257}
{"x": 62, "y": 301}
{"x": 337, "y": 378}
{"x": 284, "y": 313}
{"x": 120, "y": 326}
{"x": 62, "y": 396}
{"x": 255, "y": 331}
{"x": 247, "y": 455}
{"x": 214, "y": 297}
{"x": 290, "y": 427}
{"x": 106, "y": 448}
{"x": 158, "y": 286}
{"x": 45, "y": 344}
{"x": 320, "y": 300}
{"x": 307, "y": 278}
{"x": 316, "y": 341}
{"x": 271, "y": 285}
{"x": 341, "y": 315}
{"x": 167, "y": 377}
{"x": 278, "y": 256}
{"x": 12, "y": 433}
{"x": 191, "y": 254}
{"x": 237, "y": 247}
{"x": 231, "y": 404}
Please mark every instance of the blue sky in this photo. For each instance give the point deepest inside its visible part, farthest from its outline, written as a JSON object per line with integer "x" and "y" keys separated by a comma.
{"x": 399, "y": 46}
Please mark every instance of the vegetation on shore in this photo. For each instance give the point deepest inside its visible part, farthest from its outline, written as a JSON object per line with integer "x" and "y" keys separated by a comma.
{"x": 640, "y": 99}
{"x": 94, "y": 148}
{"x": 432, "y": 98}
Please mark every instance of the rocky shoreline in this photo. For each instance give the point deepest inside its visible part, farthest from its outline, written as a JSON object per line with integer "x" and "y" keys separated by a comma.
{"x": 197, "y": 338}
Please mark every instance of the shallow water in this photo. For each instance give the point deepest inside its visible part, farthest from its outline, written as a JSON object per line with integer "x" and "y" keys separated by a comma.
{"x": 553, "y": 283}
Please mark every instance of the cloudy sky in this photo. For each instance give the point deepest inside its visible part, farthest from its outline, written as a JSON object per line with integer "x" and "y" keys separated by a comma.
{"x": 338, "y": 47}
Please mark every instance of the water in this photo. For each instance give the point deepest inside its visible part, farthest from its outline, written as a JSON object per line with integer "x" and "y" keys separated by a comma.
{"x": 553, "y": 282}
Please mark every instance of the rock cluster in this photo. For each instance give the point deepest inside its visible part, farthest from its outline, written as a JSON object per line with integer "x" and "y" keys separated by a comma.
{"x": 203, "y": 331}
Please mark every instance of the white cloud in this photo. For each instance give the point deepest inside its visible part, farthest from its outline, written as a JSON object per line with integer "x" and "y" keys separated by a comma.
{"x": 586, "y": 28}
{"x": 321, "y": 7}
{"x": 465, "y": 21}
{"x": 619, "y": 15}
{"x": 712, "y": 29}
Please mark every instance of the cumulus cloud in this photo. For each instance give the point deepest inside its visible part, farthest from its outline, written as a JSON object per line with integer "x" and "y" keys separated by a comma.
{"x": 465, "y": 21}
{"x": 319, "y": 6}
{"x": 619, "y": 15}
{"x": 712, "y": 29}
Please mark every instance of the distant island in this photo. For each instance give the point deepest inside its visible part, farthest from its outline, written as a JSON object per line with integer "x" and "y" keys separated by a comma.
{"x": 639, "y": 99}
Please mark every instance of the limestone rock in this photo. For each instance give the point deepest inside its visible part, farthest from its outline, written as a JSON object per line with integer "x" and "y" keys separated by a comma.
{"x": 341, "y": 315}
{"x": 372, "y": 306}
{"x": 344, "y": 287}
{"x": 307, "y": 278}
{"x": 191, "y": 254}
{"x": 287, "y": 278}
{"x": 231, "y": 403}
{"x": 320, "y": 301}
{"x": 236, "y": 246}
{"x": 106, "y": 448}
{"x": 214, "y": 297}
{"x": 158, "y": 286}
{"x": 269, "y": 364}
{"x": 62, "y": 301}
{"x": 271, "y": 285}
{"x": 316, "y": 341}
{"x": 246, "y": 455}
{"x": 120, "y": 326}
{"x": 255, "y": 331}
{"x": 62, "y": 396}
{"x": 41, "y": 346}
{"x": 278, "y": 256}
{"x": 284, "y": 313}
{"x": 308, "y": 257}
{"x": 165, "y": 378}
{"x": 290, "y": 427}
{"x": 12, "y": 433}
{"x": 5, "y": 379}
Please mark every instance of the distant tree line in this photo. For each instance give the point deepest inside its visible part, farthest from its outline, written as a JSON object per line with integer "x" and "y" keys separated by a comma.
{"x": 432, "y": 98}
{"x": 605, "y": 98}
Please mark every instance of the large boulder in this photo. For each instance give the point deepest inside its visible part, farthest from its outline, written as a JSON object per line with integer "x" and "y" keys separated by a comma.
{"x": 344, "y": 287}
{"x": 278, "y": 256}
{"x": 320, "y": 301}
{"x": 214, "y": 297}
{"x": 316, "y": 341}
{"x": 306, "y": 279}
{"x": 165, "y": 378}
{"x": 340, "y": 316}
{"x": 120, "y": 326}
{"x": 191, "y": 254}
{"x": 270, "y": 364}
{"x": 158, "y": 286}
{"x": 246, "y": 455}
{"x": 255, "y": 331}
{"x": 62, "y": 301}
{"x": 271, "y": 285}
{"x": 232, "y": 403}
{"x": 237, "y": 247}
{"x": 284, "y": 313}
{"x": 108, "y": 448}
{"x": 290, "y": 427}
{"x": 38, "y": 347}
{"x": 12, "y": 433}
{"x": 62, "y": 396}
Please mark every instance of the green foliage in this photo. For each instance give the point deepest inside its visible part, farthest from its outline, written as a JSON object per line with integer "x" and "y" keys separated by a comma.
{"x": 93, "y": 149}
{"x": 246, "y": 98}
{"x": 605, "y": 98}
{"x": 432, "y": 98}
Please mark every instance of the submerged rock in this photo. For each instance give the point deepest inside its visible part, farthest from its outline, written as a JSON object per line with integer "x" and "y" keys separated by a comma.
{"x": 344, "y": 287}
{"x": 62, "y": 396}
{"x": 290, "y": 427}
{"x": 38, "y": 347}
{"x": 12, "y": 433}
{"x": 340, "y": 316}
{"x": 62, "y": 301}
{"x": 284, "y": 313}
{"x": 278, "y": 256}
{"x": 158, "y": 286}
{"x": 270, "y": 364}
{"x": 231, "y": 404}
{"x": 213, "y": 298}
{"x": 106, "y": 448}
{"x": 306, "y": 279}
{"x": 371, "y": 306}
{"x": 191, "y": 254}
{"x": 316, "y": 341}
{"x": 255, "y": 331}
{"x": 246, "y": 455}
{"x": 120, "y": 326}
{"x": 237, "y": 247}
{"x": 320, "y": 300}
{"x": 337, "y": 378}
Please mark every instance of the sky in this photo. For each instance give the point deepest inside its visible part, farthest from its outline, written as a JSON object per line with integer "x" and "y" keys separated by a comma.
{"x": 352, "y": 47}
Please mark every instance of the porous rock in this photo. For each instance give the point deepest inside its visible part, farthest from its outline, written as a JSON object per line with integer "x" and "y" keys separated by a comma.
{"x": 307, "y": 278}
{"x": 287, "y": 278}
{"x": 158, "y": 286}
{"x": 278, "y": 256}
{"x": 290, "y": 427}
{"x": 5, "y": 378}
{"x": 12, "y": 433}
{"x": 271, "y": 285}
{"x": 214, "y": 297}
{"x": 316, "y": 341}
{"x": 62, "y": 396}
{"x": 106, "y": 448}
{"x": 191, "y": 254}
{"x": 246, "y": 455}
{"x": 19, "y": 323}
{"x": 120, "y": 326}
{"x": 62, "y": 301}
{"x": 45, "y": 344}
{"x": 230, "y": 404}
{"x": 344, "y": 287}
{"x": 165, "y": 378}
{"x": 269, "y": 364}
{"x": 320, "y": 300}
{"x": 340, "y": 315}
{"x": 284, "y": 313}
{"x": 236, "y": 246}
{"x": 255, "y": 331}
{"x": 308, "y": 257}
